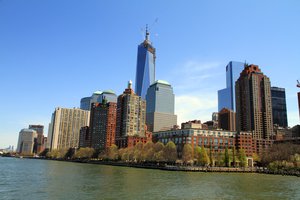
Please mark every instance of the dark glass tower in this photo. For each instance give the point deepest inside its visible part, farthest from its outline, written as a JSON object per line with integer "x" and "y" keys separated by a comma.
{"x": 145, "y": 68}
{"x": 279, "y": 106}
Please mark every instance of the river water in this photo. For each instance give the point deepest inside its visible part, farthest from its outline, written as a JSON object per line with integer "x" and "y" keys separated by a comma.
{"x": 43, "y": 179}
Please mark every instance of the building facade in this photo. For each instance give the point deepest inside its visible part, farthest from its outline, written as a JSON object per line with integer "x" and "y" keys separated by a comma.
{"x": 226, "y": 96}
{"x": 279, "y": 107}
{"x": 64, "y": 129}
{"x": 160, "y": 101}
{"x": 27, "y": 141}
{"x": 131, "y": 117}
{"x": 97, "y": 97}
{"x": 145, "y": 69}
{"x": 40, "y": 146}
{"x": 84, "y": 137}
{"x": 227, "y": 119}
{"x": 253, "y": 103}
{"x": 103, "y": 124}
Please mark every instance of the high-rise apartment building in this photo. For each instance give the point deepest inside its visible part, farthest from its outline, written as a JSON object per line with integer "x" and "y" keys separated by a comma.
{"x": 131, "y": 114}
{"x": 27, "y": 141}
{"x": 103, "y": 124}
{"x": 40, "y": 146}
{"x": 160, "y": 101}
{"x": 97, "y": 97}
{"x": 64, "y": 129}
{"x": 226, "y": 97}
{"x": 253, "y": 103}
{"x": 145, "y": 69}
{"x": 227, "y": 120}
{"x": 279, "y": 107}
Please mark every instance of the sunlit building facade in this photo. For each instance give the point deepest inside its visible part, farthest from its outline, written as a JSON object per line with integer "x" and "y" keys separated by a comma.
{"x": 160, "y": 101}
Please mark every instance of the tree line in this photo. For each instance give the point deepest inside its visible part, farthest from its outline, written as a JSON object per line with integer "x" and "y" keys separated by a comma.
{"x": 156, "y": 153}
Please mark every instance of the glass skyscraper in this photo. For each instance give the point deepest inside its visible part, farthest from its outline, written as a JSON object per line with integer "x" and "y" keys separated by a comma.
{"x": 226, "y": 96}
{"x": 160, "y": 101}
{"x": 279, "y": 106}
{"x": 97, "y": 97}
{"x": 145, "y": 69}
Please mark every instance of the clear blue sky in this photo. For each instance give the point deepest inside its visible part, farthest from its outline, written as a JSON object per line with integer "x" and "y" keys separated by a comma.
{"x": 53, "y": 53}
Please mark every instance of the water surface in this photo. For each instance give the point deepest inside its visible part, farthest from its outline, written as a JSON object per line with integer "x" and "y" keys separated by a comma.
{"x": 43, "y": 179}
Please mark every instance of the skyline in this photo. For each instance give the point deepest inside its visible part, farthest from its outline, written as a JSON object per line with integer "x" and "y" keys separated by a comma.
{"x": 53, "y": 54}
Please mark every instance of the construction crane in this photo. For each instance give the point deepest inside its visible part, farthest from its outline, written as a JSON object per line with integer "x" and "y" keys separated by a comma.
{"x": 298, "y": 85}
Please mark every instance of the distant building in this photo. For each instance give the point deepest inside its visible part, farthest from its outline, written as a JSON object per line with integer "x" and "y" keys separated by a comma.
{"x": 253, "y": 103}
{"x": 65, "y": 126}
{"x": 145, "y": 68}
{"x": 226, "y": 97}
{"x": 27, "y": 141}
{"x": 160, "y": 101}
{"x": 84, "y": 137}
{"x": 279, "y": 107}
{"x": 215, "y": 116}
{"x": 194, "y": 124}
{"x": 227, "y": 119}
{"x": 97, "y": 97}
{"x": 131, "y": 118}
{"x": 103, "y": 124}
{"x": 40, "y": 146}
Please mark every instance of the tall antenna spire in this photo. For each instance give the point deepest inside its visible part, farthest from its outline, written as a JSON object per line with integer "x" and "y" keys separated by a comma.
{"x": 147, "y": 33}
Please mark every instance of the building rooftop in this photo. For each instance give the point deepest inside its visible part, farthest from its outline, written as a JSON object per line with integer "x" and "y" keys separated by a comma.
{"x": 28, "y": 130}
{"x": 161, "y": 82}
{"x": 98, "y": 92}
{"x": 109, "y": 92}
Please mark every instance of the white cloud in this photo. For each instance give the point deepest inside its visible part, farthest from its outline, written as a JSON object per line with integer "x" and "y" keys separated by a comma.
{"x": 195, "y": 95}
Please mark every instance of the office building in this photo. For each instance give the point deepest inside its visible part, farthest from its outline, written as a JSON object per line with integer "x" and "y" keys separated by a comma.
{"x": 145, "y": 69}
{"x": 227, "y": 119}
{"x": 226, "y": 96}
{"x": 160, "y": 101}
{"x": 103, "y": 124}
{"x": 84, "y": 137}
{"x": 65, "y": 126}
{"x": 253, "y": 103}
{"x": 27, "y": 141}
{"x": 279, "y": 107}
{"x": 97, "y": 97}
{"x": 40, "y": 137}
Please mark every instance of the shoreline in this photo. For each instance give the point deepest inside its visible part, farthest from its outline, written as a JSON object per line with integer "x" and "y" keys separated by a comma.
{"x": 182, "y": 168}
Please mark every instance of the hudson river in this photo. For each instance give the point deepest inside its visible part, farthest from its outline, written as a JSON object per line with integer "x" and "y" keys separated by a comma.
{"x": 42, "y": 179}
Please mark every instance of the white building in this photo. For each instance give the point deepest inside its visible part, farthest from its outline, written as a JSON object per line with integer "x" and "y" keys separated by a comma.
{"x": 64, "y": 128}
{"x": 26, "y": 141}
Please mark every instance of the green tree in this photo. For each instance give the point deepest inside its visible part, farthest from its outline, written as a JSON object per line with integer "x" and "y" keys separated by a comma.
{"x": 204, "y": 160}
{"x": 187, "y": 153}
{"x": 170, "y": 152}
{"x": 242, "y": 158}
{"x": 84, "y": 153}
{"x": 226, "y": 157}
{"x": 197, "y": 154}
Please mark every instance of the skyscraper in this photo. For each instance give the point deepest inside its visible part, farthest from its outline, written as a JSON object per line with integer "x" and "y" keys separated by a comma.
{"x": 226, "y": 97}
{"x": 64, "y": 129}
{"x": 145, "y": 68}
{"x": 97, "y": 97}
{"x": 103, "y": 124}
{"x": 253, "y": 103}
{"x": 40, "y": 137}
{"x": 160, "y": 101}
{"x": 279, "y": 106}
{"x": 27, "y": 141}
{"x": 131, "y": 114}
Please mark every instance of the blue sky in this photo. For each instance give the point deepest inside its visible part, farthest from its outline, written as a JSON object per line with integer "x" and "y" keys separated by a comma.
{"x": 53, "y": 53}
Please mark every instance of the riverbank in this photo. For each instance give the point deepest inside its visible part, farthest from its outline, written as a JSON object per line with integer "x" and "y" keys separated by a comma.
{"x": 184, "y": 168}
